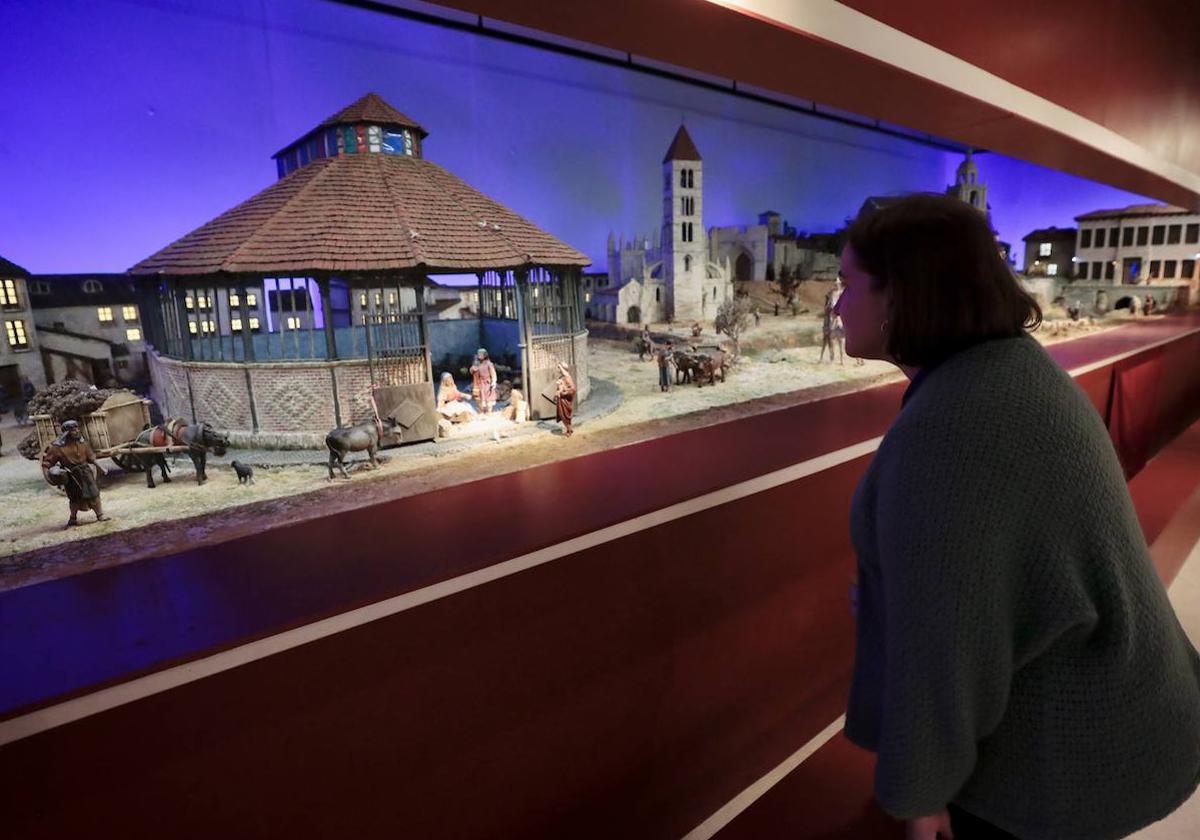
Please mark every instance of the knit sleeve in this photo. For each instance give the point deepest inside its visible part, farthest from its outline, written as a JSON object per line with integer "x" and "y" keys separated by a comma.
{"x": 948, "y": 546}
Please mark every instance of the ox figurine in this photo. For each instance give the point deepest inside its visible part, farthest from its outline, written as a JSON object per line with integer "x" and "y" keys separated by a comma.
{"x": 343, "y": 441}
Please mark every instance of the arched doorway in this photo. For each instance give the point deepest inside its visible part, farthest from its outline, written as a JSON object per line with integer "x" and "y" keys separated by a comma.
{"x": 743, "y": 267}
{"x": 635, "y": 315}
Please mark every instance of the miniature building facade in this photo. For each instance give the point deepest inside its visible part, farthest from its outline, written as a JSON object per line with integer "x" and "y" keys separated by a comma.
{"x": 1050, "y": 252}
{"x": 772, "y": 247}
{"x": 674, "y": 278}
{"x": 1142, "y": 243}
{"x": 19, "y": 345}
{"x": 91, "y": 328}
{"x": 288, "y": 315}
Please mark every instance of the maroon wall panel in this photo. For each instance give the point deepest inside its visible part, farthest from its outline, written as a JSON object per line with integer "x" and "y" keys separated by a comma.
{"x": 1130, "y": 65}
{"x": 627, "y": 691}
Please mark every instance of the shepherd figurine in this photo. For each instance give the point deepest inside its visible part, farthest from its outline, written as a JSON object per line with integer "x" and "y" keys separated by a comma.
{"x": 70, "y": 458}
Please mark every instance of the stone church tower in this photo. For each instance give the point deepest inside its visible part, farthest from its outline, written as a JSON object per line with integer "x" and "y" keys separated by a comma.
{"x": 967, "y": 186}
{"x": 684, "y": 244}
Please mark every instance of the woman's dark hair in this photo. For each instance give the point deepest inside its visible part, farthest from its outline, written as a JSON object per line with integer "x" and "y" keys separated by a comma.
{"x": 948, "y": 285}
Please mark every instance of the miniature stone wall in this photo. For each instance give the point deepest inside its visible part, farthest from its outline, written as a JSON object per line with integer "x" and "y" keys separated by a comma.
{"x": 583, "y": 384}
{"x": 269, "y": 405}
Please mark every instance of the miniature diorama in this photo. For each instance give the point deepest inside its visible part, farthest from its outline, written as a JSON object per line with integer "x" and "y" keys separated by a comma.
{"x": 371, "y": 315}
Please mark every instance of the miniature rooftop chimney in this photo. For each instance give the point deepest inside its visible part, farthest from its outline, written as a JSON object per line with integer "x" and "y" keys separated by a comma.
{"x": 367, "y": 126}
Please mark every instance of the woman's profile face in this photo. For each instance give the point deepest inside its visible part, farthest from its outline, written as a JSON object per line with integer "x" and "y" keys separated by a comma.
{"x": 863, "y": 310}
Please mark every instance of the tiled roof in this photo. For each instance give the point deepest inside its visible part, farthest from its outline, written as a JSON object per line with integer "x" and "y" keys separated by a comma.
{"x": 1050, "y": 233}
{"x": 1135, "y": 210}
{"x": 11, "y": 269}
{"x": 372, "y": 109}
{"x": 364, "y": 212}
{"x": 68, "y": 290}
{"x": 682, "y": 147}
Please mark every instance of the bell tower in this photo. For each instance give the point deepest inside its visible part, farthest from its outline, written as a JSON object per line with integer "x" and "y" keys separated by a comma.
{"x": 683, "y": 237}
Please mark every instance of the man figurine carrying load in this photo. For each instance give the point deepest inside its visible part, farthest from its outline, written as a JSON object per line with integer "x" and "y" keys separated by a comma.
{"x": 71, "y": 458}
{"x": 483, "y": 381}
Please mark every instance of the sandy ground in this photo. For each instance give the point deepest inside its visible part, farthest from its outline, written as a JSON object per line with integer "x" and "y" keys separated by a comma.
{"x": 32, "y": 513}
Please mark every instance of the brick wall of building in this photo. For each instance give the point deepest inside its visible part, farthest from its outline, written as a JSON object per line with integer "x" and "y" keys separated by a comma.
{"x": 221, "y": 396}
{"x": 293, "y": 398}
{"x": 583, "y": 384}
{"x": 287, "y": 398}
{"x": 354, "y": 393}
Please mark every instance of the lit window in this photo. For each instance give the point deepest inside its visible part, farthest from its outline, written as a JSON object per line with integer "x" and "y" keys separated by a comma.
{"x": 1044, "y": 249}
{"x": 587, "y": 297}
{"x": 17, "y": 337}
{"x": 1052, "y": 269}
{"x": 206, "y": 327}
{"x": 235, "y": 324}
{"x": 92, "y": 287}
{"x": 189, "y": 303}
{"x": 202, "y": 301}
{"x": 378, "y": 299}
{"x": 253, "y": 323}
{"x": 251, "y": 299}
{"x": 192, "y": 327}
{"x": 234, "y": 299}
{"x": 104, "y": 313}
{"x": 129, "y": 313}
{"x": 293, "y": 323}
{"x": 133, "y": 334}
{"x": 391, "y": 298}
{"x": 8, "y": 293}
{"x": 362, "y": 299}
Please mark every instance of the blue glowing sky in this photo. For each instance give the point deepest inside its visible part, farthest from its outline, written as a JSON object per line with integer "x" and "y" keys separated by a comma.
{"x": 128, "y": 123}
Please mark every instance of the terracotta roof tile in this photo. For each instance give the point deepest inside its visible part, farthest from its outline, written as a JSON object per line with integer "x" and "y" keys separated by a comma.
{"x": 364, "y": 212}
{"x": 373, "y": 109}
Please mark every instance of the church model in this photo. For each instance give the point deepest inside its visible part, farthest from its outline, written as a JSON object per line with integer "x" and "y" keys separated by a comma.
{"x": 675, "y": 279}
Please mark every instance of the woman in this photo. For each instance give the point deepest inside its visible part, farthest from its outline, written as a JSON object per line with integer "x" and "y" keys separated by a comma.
{"x": 564, "y": 399}
{"x": 1019, "y": 671}
{"x": 483, "y": 381}
{"x": 451, "y": 402}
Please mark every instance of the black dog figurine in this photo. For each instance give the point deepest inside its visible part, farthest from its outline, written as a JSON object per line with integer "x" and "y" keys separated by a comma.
{"x": 245, "y": 472}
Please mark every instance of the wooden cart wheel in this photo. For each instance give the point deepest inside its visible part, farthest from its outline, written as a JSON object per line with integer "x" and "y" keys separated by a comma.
{"x": 128, "y": 462}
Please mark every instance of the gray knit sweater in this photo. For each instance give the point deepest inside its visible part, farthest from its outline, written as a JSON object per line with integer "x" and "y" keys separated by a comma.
{"x": 1016, "y": 652}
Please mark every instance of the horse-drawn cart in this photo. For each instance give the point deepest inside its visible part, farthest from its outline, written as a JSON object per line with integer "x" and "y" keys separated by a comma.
{"x": 111, "y": 431}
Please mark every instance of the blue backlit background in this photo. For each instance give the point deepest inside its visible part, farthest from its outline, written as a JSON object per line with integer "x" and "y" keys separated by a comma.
{"x": 128, "y": 123}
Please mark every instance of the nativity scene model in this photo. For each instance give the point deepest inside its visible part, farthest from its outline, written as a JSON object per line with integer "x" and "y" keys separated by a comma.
{"x": 304, "y": 308}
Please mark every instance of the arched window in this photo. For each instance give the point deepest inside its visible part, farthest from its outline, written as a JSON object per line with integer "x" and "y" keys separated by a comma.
{"x": 683, "y": 177}
{"x": 658, "y": 295}
{"x": 687, "y": 262}
{"x": 92, "y": 286}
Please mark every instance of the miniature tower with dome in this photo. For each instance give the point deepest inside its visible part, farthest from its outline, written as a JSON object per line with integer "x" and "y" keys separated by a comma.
{"x": 967, "y": 187}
